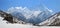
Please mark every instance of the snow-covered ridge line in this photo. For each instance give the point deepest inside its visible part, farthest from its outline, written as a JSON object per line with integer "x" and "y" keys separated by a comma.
{"x": 30, "y": 16}
{"x": 4, "y": 19}
{"x": 50, "y": 21}
{"x": 54, "y": 20}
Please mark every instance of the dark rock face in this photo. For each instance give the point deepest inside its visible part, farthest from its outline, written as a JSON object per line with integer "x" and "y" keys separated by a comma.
{"x": 56, "y": 22}
{"x": 8, "y": 18}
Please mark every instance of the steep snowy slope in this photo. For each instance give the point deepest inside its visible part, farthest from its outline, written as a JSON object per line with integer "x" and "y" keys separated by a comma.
{"x": 53, "y": 20}
{"x": 1, "y": 21}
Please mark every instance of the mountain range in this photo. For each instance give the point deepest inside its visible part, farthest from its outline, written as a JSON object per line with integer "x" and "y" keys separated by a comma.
{"x": 53, "y": 20}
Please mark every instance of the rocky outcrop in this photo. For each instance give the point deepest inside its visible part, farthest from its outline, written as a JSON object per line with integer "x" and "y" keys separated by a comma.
{"x": 6, "y": 16}
{"x": 10, "y": 18}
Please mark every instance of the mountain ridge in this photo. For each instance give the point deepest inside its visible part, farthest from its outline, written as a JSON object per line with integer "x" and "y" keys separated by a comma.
{"x": 53, "y": 20}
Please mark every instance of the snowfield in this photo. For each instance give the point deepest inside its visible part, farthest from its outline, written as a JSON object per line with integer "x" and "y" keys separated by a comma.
{"x": 24, "y": 26}
{"x": 17, "y": 26}
{"x": 3, "y": 24}
{"x": 1, "y": 21}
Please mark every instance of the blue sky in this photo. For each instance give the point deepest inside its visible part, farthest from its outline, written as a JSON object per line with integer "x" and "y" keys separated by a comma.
{"x": 51, "y": 4}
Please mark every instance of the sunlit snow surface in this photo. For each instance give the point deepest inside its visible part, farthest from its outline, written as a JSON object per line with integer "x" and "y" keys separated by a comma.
{"x": 3, "y": 24}
{"x": 1, "y": 21}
